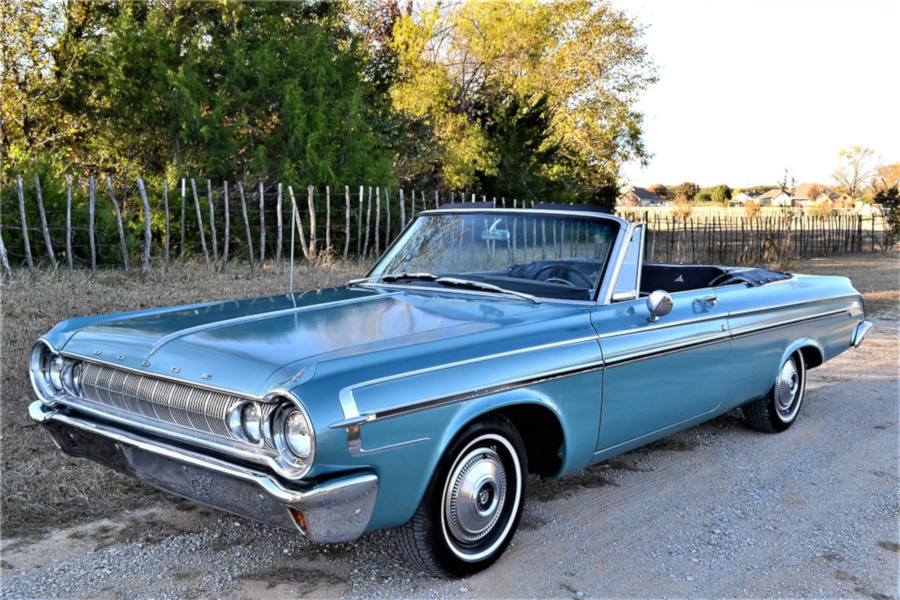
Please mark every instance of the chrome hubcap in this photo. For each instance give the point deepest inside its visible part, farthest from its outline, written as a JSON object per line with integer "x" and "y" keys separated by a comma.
{"x": 475, "y": 497}
{"x": 787, "y": 390}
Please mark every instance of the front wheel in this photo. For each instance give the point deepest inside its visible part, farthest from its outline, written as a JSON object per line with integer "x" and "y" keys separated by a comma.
{"x": 779, "y": 409}
{"x": 473, "y": 502}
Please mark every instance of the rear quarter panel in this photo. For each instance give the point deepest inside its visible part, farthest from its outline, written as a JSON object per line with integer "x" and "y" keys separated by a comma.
{"x": 770, "y": 322}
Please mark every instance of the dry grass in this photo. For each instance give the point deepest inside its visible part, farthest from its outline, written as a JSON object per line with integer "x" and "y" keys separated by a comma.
{"x": 41, "y": 488}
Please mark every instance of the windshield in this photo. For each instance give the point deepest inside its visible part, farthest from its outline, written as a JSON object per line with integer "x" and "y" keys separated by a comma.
{"x": 549, "y": 256}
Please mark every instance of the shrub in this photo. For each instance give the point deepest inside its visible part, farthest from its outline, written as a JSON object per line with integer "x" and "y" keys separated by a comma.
{"x": 752, "y": 209}
{"x": 681, "y": 210}
{"x": 822, "y": 209}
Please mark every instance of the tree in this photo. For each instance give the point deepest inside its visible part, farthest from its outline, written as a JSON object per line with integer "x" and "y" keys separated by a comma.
{"x": 888, "y": 176}
{"x": 686, "y": 191}
{"x": 221, "y": 90}
{"x": 585, "y": 58}
{"x": 660, "y": 190}
{"x": 29, "y": 80}
{"x": 855, "y": 170}
{"x": 517, "y": 130}
{"x": 721, "y": 194}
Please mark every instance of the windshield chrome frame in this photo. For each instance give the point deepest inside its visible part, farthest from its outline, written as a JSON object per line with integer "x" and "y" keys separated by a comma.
{"x": 607, "y": 280}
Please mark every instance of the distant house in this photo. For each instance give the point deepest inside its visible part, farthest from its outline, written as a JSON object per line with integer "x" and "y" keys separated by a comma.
{"x": 744, "y": 198}
{"x": 639, "y": 197}
{"x": 769, "y": 198}
{"x": 803, "y": 194}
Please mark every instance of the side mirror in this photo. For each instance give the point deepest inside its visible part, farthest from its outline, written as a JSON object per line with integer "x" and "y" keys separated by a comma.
{"x": 659, "y": 303}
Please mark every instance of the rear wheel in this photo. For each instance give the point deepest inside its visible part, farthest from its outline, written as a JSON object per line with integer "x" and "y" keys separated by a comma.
{"x": 473, "y": 502}
{"x": 779, "y": 409}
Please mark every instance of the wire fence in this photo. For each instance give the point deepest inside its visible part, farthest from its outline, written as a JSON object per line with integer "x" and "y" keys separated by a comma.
{"x": 88, "y": 226}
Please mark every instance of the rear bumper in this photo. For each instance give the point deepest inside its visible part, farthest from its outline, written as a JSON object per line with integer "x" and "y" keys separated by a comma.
{"x": 336, "y": 510}
{"x": 859, "y": 333}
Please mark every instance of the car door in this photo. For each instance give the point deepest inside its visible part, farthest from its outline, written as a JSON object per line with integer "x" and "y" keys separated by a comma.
{"x": 658, "y": 374}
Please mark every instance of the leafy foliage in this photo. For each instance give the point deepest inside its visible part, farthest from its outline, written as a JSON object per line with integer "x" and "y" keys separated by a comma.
{"x": 525, "y": 99}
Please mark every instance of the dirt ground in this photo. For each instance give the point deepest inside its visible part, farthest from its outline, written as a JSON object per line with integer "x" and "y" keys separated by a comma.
{"x": 716, "y": 510}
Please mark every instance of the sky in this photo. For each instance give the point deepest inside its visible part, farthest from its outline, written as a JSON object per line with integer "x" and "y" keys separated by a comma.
{"x": 749, "y": 88}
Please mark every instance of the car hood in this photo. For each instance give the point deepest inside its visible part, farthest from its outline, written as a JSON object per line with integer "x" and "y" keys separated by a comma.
{"x": 241, "y": 345}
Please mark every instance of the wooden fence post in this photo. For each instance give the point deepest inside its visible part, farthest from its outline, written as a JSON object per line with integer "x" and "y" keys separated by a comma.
{"x": 299, "y": 225}
{"x": 182, "y": 222}
{"x": 212, "y": 220}
{"x": 44, "y": 227}
{"x": 327, "y": 219}
{"x": 346, "y": 221}
{"x": 312, "y": 223}
{"x": 387, "y": 210}
{"x": 368, "y": 224}
{"x": 200, "y": 221}
{"x": 262, "y": 226}
{"x": 873, "y": 232}
{"x": 246, "y": 221}
{"x": 279, "y": 222}
{"x": 402, "y": 210}
{"x": 112, "y": 197}
{"x": 227, "y": 227}
{"x": 5, "y": 259}
{"x": 143, "y": 193}
{"x": 25, "y": 242}
{"x": 359, "y": 228}
{"x": 377, "y": 221}
{"x": 69, "y": 220}
{"x": 166, "y": 208}
{"x": 91, "y": 204}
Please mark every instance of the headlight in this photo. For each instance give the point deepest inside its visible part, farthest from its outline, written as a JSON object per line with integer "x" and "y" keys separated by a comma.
{"x": 245, "y": 422}
{"x": 52, "y": 375}
{"x": 55, "y": 372}
{"x": 251, "y": 418}
{"x": 297, "y": 434}
{"x": 293, "y": 436}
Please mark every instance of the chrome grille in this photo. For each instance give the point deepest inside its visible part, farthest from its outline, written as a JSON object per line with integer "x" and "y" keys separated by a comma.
{"x": 159, "y": 400}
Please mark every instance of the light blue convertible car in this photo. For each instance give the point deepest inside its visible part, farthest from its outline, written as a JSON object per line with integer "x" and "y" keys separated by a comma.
{"x": 485, "y": 344}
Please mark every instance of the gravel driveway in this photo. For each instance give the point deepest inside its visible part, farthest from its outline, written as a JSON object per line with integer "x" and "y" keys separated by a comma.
{"x": 714, "y": 511}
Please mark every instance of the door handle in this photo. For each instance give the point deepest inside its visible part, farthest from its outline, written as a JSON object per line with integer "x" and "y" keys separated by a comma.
{"x": 709, "y": 300}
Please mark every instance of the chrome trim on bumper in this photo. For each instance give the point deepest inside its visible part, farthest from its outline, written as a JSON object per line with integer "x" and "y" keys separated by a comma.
{"x": 338, "y": 510}
{"x": 859, "y": 333}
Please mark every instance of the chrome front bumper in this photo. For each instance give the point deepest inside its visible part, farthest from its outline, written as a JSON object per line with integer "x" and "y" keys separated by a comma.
{"x": 337, "y": 510}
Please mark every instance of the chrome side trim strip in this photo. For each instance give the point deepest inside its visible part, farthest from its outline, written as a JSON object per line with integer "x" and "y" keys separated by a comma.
{"x": 354, "y": 443}
{"x": 419, "y": 406}
{"x": 348, "y": 402}
{"x": 672, "y": 349}
{"x": 751, "y": 330}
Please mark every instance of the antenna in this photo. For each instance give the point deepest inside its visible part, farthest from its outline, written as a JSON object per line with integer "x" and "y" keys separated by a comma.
{"x": 293, "y": 225}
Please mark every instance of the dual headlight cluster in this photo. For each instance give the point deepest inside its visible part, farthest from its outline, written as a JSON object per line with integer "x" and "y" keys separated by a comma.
{"x": 54, "y": 376}
{"x": 287, "y": 429}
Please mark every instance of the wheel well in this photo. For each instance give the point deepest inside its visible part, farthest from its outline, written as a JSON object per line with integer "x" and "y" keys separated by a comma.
{"x": 811, "y": 356}
{"x": 542, "y": 435}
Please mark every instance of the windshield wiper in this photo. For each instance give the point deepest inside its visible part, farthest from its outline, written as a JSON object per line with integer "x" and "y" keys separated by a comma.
{"x": 487, "y": 287}
{"x": 389, "y": 277}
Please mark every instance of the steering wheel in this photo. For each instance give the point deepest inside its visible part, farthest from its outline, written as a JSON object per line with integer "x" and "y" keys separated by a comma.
{"x": 559, "y": 280}
{"x": 564, "y": 267}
